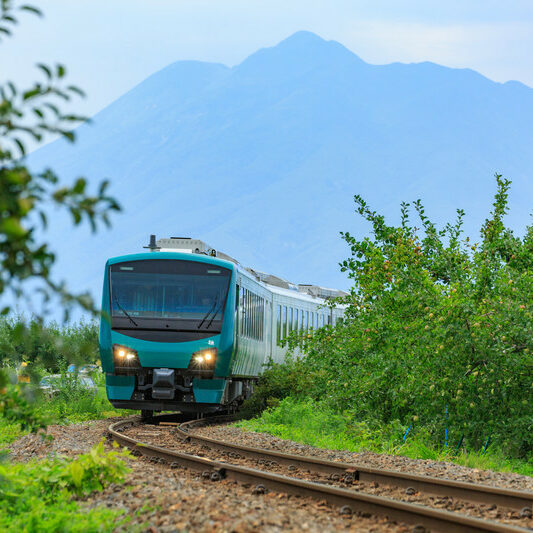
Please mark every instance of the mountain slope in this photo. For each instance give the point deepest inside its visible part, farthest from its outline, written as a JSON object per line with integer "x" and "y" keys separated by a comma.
{"x": 262, "y": 160}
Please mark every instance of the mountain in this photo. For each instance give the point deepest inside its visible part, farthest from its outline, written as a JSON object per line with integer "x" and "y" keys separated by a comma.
{"x": 262, "y": 160}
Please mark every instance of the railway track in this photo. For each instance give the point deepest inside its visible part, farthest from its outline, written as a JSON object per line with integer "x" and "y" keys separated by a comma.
{"x": 421, "y": 517}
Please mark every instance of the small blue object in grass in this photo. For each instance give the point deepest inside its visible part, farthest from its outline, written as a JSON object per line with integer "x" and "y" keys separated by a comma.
{"x": 486, "y": 445}
{"x": 406, "y": 433}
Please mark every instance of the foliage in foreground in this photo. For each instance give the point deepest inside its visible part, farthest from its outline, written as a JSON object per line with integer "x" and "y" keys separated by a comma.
{"x": 438, "y": 333}
{"x": 40, "y": 496}
{"x": 27, "y": 196}
{"x": 316, "y": 424}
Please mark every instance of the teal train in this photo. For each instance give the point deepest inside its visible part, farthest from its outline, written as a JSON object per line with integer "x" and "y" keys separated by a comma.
{"x": 184, "y": 328}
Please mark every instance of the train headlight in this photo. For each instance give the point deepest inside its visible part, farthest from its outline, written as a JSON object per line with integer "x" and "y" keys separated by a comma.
{"x": 124, "y": 356}
{"x": 204, "y": 359}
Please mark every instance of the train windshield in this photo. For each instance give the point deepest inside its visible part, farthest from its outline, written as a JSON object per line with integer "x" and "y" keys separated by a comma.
{"x": 171, "y": 290}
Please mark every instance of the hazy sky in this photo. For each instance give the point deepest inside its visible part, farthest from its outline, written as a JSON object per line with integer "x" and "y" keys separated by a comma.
{"x": 111, "y": 45}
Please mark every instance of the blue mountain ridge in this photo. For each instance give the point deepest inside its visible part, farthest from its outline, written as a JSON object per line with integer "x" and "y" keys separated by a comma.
{"x": 262, "y": 160}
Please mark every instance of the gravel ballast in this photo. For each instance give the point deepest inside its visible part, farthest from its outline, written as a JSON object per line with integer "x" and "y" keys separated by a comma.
{"x": 166, "y": 437}
{"x": 447, "y": 470}
{"x": 157, "y": 498}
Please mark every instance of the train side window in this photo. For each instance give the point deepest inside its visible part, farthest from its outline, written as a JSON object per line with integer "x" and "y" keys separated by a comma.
{"x": 254, "y": 323}
{"x": 278, "y": 323}
{"x": 261, "y": 318}
{"x": 243, "y": 310}
{"x": 252, "y": 315}
{"x": 245, "y": 307}
{"x": 258, "y": 317}
{"x": 248, "y": 313}
{"x": 291, "y": 319}
{"x": 296, "y": 313}
{"x": 306, "y": 320}
{"x": 329, "y": 319}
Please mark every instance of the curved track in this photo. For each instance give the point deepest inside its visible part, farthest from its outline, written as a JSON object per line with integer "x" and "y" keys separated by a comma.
{"x": 350, "y": 501}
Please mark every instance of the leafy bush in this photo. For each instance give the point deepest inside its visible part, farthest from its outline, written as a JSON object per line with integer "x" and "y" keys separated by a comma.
{"x": 39, "y": 496}
{"x": 438, "y": 332}
{"x": 277, "y": 382}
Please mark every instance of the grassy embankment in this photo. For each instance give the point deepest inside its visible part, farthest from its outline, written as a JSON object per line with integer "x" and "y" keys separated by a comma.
{"x": 309, "y": 422}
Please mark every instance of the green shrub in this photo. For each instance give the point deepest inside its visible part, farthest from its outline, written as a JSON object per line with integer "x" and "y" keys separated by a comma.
{"x": 39, "y": 496}
{"x": 277, "y": 382}
{"x": 438, "y": 332}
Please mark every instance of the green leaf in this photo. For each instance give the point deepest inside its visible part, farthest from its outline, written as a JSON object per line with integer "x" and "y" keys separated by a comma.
{"x": 76, "y": 471}
{"x": 45, "y": 69}
{"x": 12, "y": 229}
{"x": 68, "y": 135}
{"x": 52, "y": 108}
{"x": 79, "y": 186}
{"x": 31, "y": 9}
{"x": 32, "y": 93}
{"x": 76, "y": 90}
{"x": 9, "y": 18}
{"x": 20, "y": 146}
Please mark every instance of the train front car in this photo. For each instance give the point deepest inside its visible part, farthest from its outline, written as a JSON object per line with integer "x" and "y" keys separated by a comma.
{"x": 167, "y": 331}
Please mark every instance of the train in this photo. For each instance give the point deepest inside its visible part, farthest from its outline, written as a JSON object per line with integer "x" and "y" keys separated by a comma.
{"x": 187, "y": 328}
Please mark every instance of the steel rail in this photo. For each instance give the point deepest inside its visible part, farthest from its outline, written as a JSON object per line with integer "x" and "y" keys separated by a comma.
{"x": 514, "y": 499}
{"x": 418, "y": 515}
